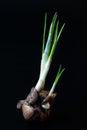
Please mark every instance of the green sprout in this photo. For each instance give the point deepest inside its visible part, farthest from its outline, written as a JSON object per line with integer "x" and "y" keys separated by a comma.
{"x": 59, "y": 73}
{"x": 48, "y": 50}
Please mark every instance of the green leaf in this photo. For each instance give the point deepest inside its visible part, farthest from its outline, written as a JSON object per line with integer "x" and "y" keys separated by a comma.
{"x": 50, "y": 35}
{"x": 56, "y": 41}
{"x": 44, "y": 33}
{"x": 60, "y": 72}
{"x": 60, "y": 31}
{"x": 56, "y": 32}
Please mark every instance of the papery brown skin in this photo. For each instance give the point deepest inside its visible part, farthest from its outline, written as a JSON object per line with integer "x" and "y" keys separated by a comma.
{"x": 31, "y": 106}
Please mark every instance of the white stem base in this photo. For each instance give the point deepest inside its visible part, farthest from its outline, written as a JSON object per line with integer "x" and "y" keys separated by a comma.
{"x": 41, "y": 82}
{"x": 40, "y": 85}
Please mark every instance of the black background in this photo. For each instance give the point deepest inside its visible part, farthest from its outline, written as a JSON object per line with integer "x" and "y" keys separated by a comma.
{"x": 21, "y": 30}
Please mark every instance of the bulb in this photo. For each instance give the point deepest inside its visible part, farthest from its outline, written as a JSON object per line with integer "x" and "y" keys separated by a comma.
{"x": 28, "y": 111}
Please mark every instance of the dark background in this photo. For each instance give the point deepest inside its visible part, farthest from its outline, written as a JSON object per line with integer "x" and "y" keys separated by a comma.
{"x": 20, "y": 53}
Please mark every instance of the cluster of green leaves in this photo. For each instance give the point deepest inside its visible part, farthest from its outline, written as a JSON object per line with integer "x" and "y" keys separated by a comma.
{"x": 52, "y": 41}
{"x": 53, "y": 36}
